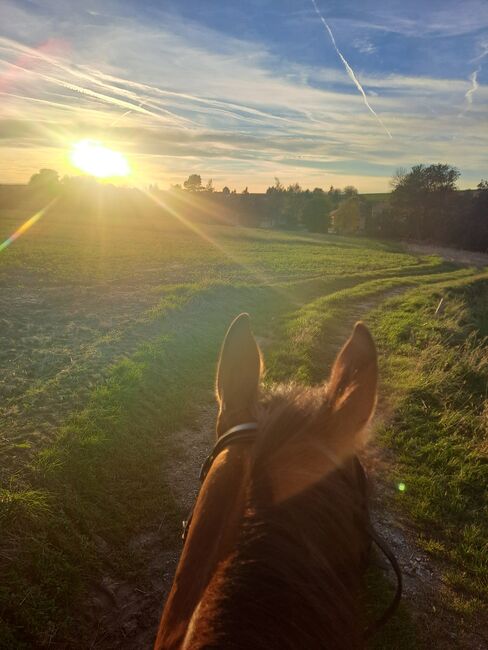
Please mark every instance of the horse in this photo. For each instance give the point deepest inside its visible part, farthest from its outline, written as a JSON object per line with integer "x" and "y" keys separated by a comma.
{"x": 279, "y": 534}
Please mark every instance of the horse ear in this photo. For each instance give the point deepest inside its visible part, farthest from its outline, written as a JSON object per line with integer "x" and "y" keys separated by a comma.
{"x": 238, "y": 375}
{"x": 338, "y": 430}
{"x": 352, "y": 385}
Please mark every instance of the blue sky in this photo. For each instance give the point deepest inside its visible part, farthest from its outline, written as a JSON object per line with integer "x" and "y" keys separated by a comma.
{"x": 245, "y": 91}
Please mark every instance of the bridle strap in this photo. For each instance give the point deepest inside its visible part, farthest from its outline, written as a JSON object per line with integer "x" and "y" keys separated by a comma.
{"x": 390, "y": 610}
{"x": 240, "y": 433}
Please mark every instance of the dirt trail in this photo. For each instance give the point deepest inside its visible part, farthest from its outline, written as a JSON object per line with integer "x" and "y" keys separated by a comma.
{"x": 125, "y": 614}
{"x": 425, "y": 593}
{"x": 456, "y": 255}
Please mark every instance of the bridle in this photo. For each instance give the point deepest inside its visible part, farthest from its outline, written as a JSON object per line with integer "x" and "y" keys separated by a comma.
{"x": 239, "y": 433}
{"x": 246, "y": 432}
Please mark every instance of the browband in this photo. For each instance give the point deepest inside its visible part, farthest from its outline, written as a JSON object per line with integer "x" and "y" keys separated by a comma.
{"x": 234, "y": 434}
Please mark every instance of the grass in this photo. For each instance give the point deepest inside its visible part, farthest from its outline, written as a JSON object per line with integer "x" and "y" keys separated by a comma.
{"x": 72, "y": 498}
{"x": 439, "y": 366}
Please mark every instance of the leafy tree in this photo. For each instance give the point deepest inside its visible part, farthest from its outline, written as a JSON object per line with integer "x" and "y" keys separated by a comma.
{"x": 316, "y": 212}
{"x": 475, "y": 222}
{"x": 275, "y": 195}
{"x": 293, "y": 206}
{"x": 335, "y": 195}
{"x": 225, "y": 191}
{"x": 349, "y": 191}
{"x": 422, "y": 200}
{"x": 45, "y": 181}
{"x": 347, "y": 217}
{"x": 193, "y": 183}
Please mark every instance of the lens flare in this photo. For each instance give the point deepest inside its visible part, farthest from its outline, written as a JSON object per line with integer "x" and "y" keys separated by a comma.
{"x": 25, "y": 226}
{"x": 95, "y": 159}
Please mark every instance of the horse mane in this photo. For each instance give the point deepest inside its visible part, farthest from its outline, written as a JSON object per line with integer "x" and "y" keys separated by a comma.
{"x": 294, "y": 577}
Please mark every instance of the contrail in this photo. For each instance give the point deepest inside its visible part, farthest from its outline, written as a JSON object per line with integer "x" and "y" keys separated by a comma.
{"x": 349, "y": 70}
{"x": 474, "y": 86}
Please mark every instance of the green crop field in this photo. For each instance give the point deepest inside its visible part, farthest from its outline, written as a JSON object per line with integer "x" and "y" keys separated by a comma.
{"x": 110, "y": 333}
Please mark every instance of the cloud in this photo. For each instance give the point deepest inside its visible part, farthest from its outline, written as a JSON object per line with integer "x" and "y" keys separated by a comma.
{"x": 178, "y": 97}
{"x": 473, "y": 77}
{"x": 350, "y": 71}
{"x": 364, "y": 45}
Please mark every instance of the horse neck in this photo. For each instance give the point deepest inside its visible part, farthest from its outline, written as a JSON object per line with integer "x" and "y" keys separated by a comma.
{"x": 289, "y": 584}
{"x": 212, "y": 537}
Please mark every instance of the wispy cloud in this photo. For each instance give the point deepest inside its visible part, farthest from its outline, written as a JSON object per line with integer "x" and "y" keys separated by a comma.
{"x": 350, "y": 71}
{"x": 473, "y": 77}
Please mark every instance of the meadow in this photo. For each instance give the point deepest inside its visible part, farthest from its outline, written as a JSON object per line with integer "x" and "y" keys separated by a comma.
{"x": 111, "y": 328}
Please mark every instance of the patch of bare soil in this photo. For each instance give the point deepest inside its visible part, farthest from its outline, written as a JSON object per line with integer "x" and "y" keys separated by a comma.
{"x": 57, "y": 343}
{"x": 456, "y": 255}
{"x": 124, "y": 613}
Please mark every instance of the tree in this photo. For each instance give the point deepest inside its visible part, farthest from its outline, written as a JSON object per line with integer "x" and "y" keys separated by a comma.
{"x": 275, "y": 201}
{"x": 347, "y": 217}
{"x": 293, "y": 206}
{"x": 209, "y": 186}
{"x": 45, "y": 181}
{"x": 422, "y": 200}
{"x": 193, "y": 183}
{"x": 335, "y": 195}
{"x": 315, "y": 214}
{"x": 225, "y": 191}
{"x": 349, "y": 191}
{"x": 245, "y": 191}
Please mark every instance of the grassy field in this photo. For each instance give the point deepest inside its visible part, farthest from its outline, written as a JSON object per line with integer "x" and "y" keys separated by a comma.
{"x": 111, "y": 332}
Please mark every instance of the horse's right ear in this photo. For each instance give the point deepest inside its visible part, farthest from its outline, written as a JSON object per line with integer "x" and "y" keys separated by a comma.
{"x": 238, "y": 375}
{"x": 341, "y": 425}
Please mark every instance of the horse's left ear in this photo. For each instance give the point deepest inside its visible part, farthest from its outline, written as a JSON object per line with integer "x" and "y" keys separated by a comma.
{"x": 238, "y": 375}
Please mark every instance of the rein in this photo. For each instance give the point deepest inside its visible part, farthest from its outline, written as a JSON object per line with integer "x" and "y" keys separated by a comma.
{"x": 246, "y": 432}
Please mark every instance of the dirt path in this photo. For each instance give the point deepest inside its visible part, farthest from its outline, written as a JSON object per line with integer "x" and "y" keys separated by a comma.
{"x": 456, "y": 255}
{"x": 425, "y": 593}
{"x": 124, "y": 614}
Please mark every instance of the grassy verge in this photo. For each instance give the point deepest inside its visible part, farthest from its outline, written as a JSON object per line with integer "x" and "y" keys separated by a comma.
{"x": 437, "y": 369}
{"x": 308, "y": 333}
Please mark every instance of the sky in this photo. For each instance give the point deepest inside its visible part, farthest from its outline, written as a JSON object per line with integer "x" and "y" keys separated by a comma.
{"x": 242, "y": 91}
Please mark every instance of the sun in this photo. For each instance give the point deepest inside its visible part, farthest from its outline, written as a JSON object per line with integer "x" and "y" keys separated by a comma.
{"x": 92, "y": 157}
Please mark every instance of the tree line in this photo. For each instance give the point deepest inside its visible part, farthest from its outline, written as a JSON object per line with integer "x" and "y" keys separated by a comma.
{"x": 288, "y": 207}
{"x": 425, "y": 204}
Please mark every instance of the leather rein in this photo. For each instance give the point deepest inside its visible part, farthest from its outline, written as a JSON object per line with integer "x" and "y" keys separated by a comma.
{"x": 246, "y": 432}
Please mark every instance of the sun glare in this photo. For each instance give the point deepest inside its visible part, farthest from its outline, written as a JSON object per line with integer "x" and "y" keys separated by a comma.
{"x": 95, "y": 159}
